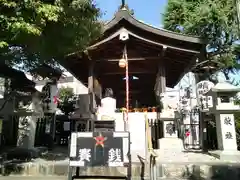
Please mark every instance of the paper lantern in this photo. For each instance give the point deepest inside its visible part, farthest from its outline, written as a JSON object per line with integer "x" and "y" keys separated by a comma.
{"x": 122, "y": 63}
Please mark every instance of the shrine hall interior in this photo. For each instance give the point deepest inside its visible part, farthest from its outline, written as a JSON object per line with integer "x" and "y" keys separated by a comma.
{"x": 156, "y": 59}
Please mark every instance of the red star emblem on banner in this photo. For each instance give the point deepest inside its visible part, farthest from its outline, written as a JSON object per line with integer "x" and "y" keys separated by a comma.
{"x": 100, "y": 140}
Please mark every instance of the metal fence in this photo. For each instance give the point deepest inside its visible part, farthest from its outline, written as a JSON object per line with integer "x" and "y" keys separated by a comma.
{"x": 41, "y": 138}
{"x": 212, "y": 143}
{"x": 156, "y": 127}
{"x": 191, "y": 136}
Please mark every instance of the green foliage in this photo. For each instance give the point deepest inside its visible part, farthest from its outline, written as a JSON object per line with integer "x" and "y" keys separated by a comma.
{"x": 65, "y": 93}
{"x": 213, "y": 20}
{"x": 237, "y": 122}
{"x": 216, "y": 22}
{"x": 237, "y": 114}
{"x": 66, "y": 97}
{"x": 33, "y": 32}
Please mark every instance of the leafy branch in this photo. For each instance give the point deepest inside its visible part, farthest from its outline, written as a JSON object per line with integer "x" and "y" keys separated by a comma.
{"x": 213, "y": 20}
{"x": 66, "y": 100}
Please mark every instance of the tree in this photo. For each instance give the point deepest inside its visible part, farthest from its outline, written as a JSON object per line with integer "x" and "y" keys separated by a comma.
{"x": 237, "y": 114}
{"x": 237, "y": 122}
{"x": 66, "y": 97}
{"x": 33, "y": 32}
{"x": 213, "y": 20}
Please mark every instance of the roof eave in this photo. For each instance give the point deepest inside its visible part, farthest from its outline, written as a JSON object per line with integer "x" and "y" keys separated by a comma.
{"x": 124, "y": 14}
{"x": 117, "y": 33}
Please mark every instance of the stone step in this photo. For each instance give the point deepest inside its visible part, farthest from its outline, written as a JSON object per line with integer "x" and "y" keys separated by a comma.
{"x": 49, "y": 168}
{"x": 165, "y": 171}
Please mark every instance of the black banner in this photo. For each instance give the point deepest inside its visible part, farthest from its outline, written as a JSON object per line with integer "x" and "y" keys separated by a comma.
{"x": 101, "y": 149}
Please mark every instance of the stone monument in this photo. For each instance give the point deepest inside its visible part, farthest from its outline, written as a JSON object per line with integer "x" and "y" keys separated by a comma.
{"x": 223, "y": 108}
{"x": 170, "y": 141}
{"x": 28, "y": 122}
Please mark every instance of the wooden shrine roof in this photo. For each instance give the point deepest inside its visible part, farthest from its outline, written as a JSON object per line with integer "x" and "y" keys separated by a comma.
{"x": 46, "y": 71}
{"x": 19, "y": 81}
{"x": 146, "y": 47}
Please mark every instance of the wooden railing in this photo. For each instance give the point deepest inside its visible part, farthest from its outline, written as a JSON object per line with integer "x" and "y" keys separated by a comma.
{"x": 151, "y": 155}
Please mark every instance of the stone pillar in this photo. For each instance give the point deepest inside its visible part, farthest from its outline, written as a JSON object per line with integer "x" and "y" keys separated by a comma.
{"x": 28, "y": 123}
{"x": 226, "y": 133}
{"x": 170, "y": 141}
{"x": 223, "y": 108}
{"x": 226, "y": 136}
{"x": 50, "y": 101}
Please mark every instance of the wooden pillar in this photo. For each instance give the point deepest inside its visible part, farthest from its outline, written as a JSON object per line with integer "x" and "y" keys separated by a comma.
{"x": 91, "y": 93}
{"x": 90, "y": 76}
{"x": 97, "y": 87}
{"x": 162, "y": 77}
{"x": 160, "y": 85}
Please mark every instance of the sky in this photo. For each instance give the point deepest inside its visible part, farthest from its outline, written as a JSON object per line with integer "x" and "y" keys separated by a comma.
{"x": 149, "y": 11}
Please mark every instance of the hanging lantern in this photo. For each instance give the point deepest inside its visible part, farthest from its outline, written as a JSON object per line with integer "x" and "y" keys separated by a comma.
{"x": 122, "y": 63}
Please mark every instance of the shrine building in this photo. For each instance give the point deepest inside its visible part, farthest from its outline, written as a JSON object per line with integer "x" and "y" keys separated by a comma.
{"x": 157, "y": 59}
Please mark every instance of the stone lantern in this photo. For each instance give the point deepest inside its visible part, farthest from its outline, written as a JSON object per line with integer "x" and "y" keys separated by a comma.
{"x": 223, "y": 108}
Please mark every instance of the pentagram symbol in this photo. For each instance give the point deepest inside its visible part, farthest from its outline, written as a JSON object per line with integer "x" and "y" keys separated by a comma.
{"x": 100, "y": 140}
{"x": 169, "y": 129}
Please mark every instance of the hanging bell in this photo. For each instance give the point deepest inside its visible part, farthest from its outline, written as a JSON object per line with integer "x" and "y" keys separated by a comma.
{"x": 122, "y": 63}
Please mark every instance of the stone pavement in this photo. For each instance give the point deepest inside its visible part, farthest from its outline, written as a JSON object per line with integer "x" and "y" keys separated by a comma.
{"x": 58, "y": 178}
{"x": 169, "y": 156}
{"x": 32, "y": 178}
{"x": 38, "y": 178}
